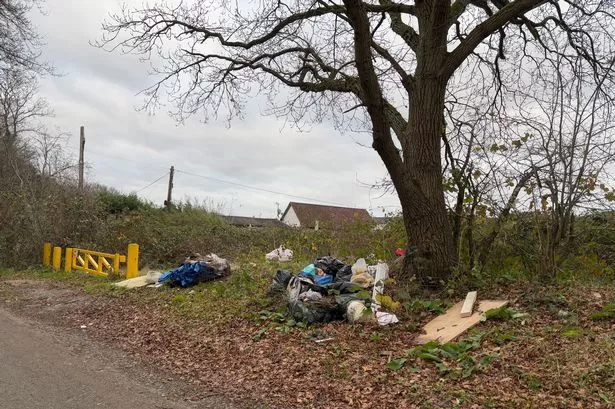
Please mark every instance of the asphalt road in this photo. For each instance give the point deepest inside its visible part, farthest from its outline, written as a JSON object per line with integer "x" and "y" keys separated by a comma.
{"x": 43, "y": 369}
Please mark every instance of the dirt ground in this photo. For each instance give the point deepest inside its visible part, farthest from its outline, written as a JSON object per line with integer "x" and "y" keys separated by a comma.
{"x": 554, "y": 357}
{"x": 48, "y": 362}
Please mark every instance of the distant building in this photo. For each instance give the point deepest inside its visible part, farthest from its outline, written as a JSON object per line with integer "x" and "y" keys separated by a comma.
{"x": 241, "y": 221}
{"x": 313, "y": 216}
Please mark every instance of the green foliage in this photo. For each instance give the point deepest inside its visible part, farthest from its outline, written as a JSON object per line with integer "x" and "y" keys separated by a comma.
{"x": 114, "y": 202}
{"x": 387, "y": 302}
{"x": 376, "y": 336}
{"x": 433, "y": 306}
{"x": 259, "y": 334}
{"x": 500, "y": 338}
{"x": 533, "y": 382}
{"x": 604, "y": 397}
{"x": 178, "y": 299}
{"x": 572, "y": 332}
{"x": 500, "y": 314}
{"x": 277, "y": 321}
{"x": 606, "y": 313}
{"x": 396, "y": 364}
{"x": 453, "y": 359}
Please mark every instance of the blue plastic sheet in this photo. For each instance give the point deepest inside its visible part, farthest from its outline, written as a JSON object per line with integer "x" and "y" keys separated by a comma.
{"x": 322, "y": 280}
{"x": 189, "y": 274}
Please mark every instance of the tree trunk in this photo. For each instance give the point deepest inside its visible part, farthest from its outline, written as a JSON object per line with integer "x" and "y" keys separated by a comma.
{"x": 432, "y": 252}
{"x": 487, "y": 242}
{"x": 470, "y": 238}
{"x": 417, "y": 173}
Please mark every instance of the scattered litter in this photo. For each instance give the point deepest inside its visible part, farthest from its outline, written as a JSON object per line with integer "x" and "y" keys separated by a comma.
{"x": 83, "y": 326}
{"x": 468, "y": 304}
{"x": 450, "y": 325}
{"x": 319, "y": 341}
{"x": 386, "y": 318}
{"x": 400, "y": 252}
{"x": 316, "y": 274}
{"x": 323, "y": 291}
{"x": 356, "y": 312}
{"x": 310, "y": 295}
{"x": 360, "y": 274}
{"x": 280, "y": 254}
{"x": 597, "y": 296}
{"x": 381, "y": 274}
{"x": 197, "y": 269}
{"x": 189, "y": 274}
{"x": 152, "y": 277}
{"x": 221, "y": 265}
{"x": 136, "y": 282}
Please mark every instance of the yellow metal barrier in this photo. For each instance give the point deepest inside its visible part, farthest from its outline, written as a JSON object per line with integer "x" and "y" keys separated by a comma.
{"x": 57, "y": 258}
{"x": 68, "y": 260}
{"x": 132, "y": 262}
{"x": 93, "y": 262}
{"x": 47, "y": 254}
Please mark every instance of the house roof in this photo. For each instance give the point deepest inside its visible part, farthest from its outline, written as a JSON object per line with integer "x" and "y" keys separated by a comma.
{"x": 251, "y": 221}
{"x": 308, "y": 214}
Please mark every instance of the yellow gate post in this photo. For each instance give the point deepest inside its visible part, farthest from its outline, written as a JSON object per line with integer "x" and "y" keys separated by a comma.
{"x": 57, "y": 258}
{"x": 132, "y": 261}
{"x": 116, "y": 263}
{"x": 47, "y": 254}
{"x": 68, "y": 260}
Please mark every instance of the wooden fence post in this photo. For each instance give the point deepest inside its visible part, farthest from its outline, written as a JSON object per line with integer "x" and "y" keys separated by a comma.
{"x": 57, "y": 258}
{"x": 47, "y": 254}
{"x": 132, "y": 261}
{"x": 68, "y": 260}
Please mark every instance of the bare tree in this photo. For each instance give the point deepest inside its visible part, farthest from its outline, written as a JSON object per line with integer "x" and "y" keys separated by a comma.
{"x": 19, "y": 41}
{"x": 570, "y": 120}
{"x": 390, "y": 60}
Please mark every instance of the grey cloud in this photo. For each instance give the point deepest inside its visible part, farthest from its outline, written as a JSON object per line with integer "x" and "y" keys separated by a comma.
{"x": 128, "y": 149}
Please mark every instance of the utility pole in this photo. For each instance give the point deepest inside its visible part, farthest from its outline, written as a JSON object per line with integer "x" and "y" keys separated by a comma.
{"x": 81, "y": 149}
{"x": 168, "y": 202}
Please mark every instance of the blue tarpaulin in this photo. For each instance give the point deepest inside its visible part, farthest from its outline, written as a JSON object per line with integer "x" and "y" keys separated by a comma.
{"x": 189, "y": 274}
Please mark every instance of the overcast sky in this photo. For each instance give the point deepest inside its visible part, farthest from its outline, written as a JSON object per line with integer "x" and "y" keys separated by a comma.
{"x": 128, "y": 149}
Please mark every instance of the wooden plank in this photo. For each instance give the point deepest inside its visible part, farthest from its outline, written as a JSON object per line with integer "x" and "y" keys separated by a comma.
{"x": 449, "y": 326}
{"x": 468, "y": 304}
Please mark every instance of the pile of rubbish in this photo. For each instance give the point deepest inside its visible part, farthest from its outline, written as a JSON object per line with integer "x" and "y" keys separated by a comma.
{"x": 197, "y": 269}
{"x": 329, "y": 290}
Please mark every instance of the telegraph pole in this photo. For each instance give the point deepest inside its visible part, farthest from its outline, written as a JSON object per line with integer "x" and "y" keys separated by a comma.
{"x": 168, "y": 202}
{"x": 81, "y": 150}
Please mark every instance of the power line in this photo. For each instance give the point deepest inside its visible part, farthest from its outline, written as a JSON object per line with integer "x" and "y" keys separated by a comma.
{"x": 261, "y": 189}
{"x": 155, "y": 181}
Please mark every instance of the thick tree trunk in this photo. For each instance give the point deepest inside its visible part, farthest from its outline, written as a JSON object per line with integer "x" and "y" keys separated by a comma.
{"x": 417, "y": 173}
{"x": 430, "y": 240}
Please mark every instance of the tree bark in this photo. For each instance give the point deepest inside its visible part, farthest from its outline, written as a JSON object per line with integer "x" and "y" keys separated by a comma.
{"x": 417, "y": 173}
{"x": 430, "y": 237}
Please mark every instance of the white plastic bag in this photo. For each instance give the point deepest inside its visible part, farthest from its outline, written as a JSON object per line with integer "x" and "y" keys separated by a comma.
{"x": 280, "y": 254}
{"x": 381, "y": 273}
{"x": 360, "y": 275}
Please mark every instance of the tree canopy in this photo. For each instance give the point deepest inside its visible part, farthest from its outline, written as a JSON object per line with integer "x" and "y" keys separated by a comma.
{"x": 392, "y": 63}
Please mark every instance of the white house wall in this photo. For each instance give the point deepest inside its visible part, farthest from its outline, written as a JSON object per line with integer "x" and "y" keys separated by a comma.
{"x": 291, "y": 219}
